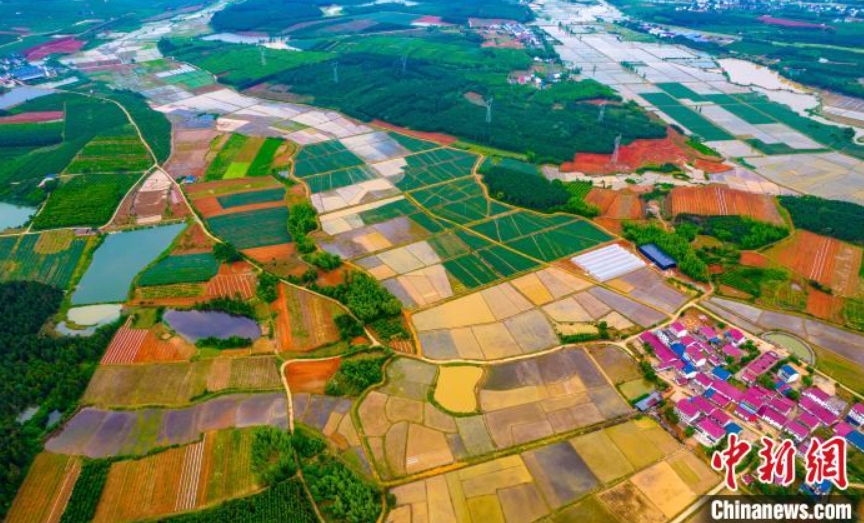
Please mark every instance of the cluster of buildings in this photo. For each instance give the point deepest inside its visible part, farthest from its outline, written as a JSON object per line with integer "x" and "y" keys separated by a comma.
{"x": 765, "y": 395}
{"x": 15, "y": 69}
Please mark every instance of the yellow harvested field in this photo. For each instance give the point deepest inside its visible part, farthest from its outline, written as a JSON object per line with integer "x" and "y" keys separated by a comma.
{"x": 456, "y": 387}
{"x": 463, "y": 312}
{"x": 492, "y": 400}
{"x": 665, "y": 488}
{"x": 46, "y": 489}
{"x": 629, "y": 504}
{"x": 426, "y": 449}
{"x": 642, "y": 441}
{"x": 635, "y": 388}
{"x": 602, "y": 456}
{"x": 694, "y": 472}
{"x": 533, "y": 289}
{"x": 505, "y": 301}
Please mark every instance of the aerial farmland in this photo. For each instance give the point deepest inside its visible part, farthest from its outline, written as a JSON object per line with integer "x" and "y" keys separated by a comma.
{"x": 432, "y": 261}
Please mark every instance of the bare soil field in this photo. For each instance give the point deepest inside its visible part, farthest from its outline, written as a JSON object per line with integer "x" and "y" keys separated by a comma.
{"x": 719, "y": 200}
{"x": 46, "y": 489}
{"x": 304, "y": 320}
{"x": 810, "y": 255}
{"x": 310, "y": 376}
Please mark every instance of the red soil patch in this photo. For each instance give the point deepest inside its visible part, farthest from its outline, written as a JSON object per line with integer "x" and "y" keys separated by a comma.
{"x": 639, "y": 153}
{"x": 208, "y": 206}
{"x": 240, "y": 208}
{"x": 823, "y": 305}
{"x": 310, "y": 376}
{"x": 711, "y": 167}
{"x": 272, "y": 253}
{"x": 33, "y": 117}
{"x": 430, "y": 20}
{"x": 190, "y": 150}
{"x": 60, "y": 46}
{"x": 753, "y": 259}
{"x": 124, "y": 347}
{"x": 233, "y": 279}
{"x": 334, "y": 277}
{"x": 155, "y": 349}
{"x": 443, "y": 139}
{"x": 810, "y": 255}
{"x": 193, "y": 241}
{"x": 719, "y": 200}
{"x": 313, "y": 328}
{"x": 616, "y": 205}
{"x": 785, "y": 22}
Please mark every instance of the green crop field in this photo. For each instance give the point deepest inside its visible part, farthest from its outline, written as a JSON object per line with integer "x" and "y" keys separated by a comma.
{"x": 342, "y": 178}
{"x": 695, "y": 122}
{"x": 506, "y": 262}
{"x": 262, "y": 165}
{"x": 565, "y": 240}
{"x": 246, "y": 230}
{"x": 86, "y": 200}
{"x": 471, "y": 270}
{"x": 680, "y": 91}
{"x": 112, "y": 154}
{"x": 389, "y": 211}
{"x": 23, "y": 167}
{"x": 323, "y": 157}
{"x": 518, "y": 224}
{"x": 435, "y": 166}
{"x": 186, "y": 268}
{"x": 221, "y": 165}
{"x": 249, "y": 198}
{"x": 20, "y": 261}
{"x": 190, "y": 80}
{"x": 284, "y": 502}
{"x": 30, "y": 134}
{"x": 415, "y": 145}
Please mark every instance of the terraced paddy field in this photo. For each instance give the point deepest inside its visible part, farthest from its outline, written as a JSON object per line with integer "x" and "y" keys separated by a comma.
{"x": 514, "y": 403}
{"x": 99, "y": 433}
{"x": 177, "y": 384}
{"x": 530, "y": 485}
{"x": 51, "y": 257}
{"x": 524, "y": 316}
{"x": 184, "y": 478}
{"x": 46, "y": 490}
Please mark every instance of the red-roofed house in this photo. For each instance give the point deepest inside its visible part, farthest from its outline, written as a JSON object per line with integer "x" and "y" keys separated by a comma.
{"x": 720, "y": 417}
{"x": 825, "y": 416}
{"x": 701, "y": 382}
{"x": 688, "y": 340}
{"x": 710, "y": 431}
{"x": 735, "y": 337}
{"x": 816, "y": 394}
{"x": 842, "y": 429}
{"x": 678, "y": 329}
{"x": 856, "y": 414}
{"x": 773, "y": 418}
{"x": 796, "y": 430}
{"x": 727, "y": 390}
{"x": 687, "y": 412}
{"x": 709, "y": 333}
{"x": 808, "y": 420}
{"x": 702, "y": 404}
{"x": 759, "y": 366}
{"x": 782, "y": 405}
{"x": 732, "y": 351}
{"x": 695, "y": 355}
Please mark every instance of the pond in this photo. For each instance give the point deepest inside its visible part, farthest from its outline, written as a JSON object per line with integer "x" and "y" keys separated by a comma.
{"x": 793, "y": 344}
{"x": 116, "y": 262}
{"x": 194, "y": 325}
{"x": 12, "y": 216}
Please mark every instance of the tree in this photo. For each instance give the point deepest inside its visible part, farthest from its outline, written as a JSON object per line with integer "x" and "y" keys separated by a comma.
{"x": 226, "y": 253}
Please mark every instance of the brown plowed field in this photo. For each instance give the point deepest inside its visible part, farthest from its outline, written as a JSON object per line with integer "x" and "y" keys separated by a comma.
{"x": 304, "y": 321}
{"x": 155, "y": 349}
{"x": 847, "y": 266}
{"x": 310, "y": 376}
{"x": 753, "y": 259}
{"x": 125, "y": 346}
{"x": 810, "y": 255}
{"x": 616, "y": 205}
{"x": 46, "y": 490}
{"x": 272, "y": 253}
{"x": 193, "y": 241}
{"x": 237, "y": 278}
{"x": 823, "y": 305}
{"x": 207, "y": 189}
{"x": 191, "y": 147}
{"x": 718, "y": 200}
{"x": 208, "y": 206}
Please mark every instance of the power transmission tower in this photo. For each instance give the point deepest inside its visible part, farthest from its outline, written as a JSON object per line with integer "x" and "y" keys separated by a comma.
{"x": 335, "y": 72}
{"x": 404, "y": 62}
{"x": 616, "y": 150}
{"x": 602, "y": 112}
{"x": 489, "y": 110}
{"x": 263, "y": 56}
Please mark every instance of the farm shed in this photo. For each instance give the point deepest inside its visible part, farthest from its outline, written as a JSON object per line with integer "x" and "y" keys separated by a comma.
{"x": 608, "y": 262}
{"x": 657, "y": 256}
